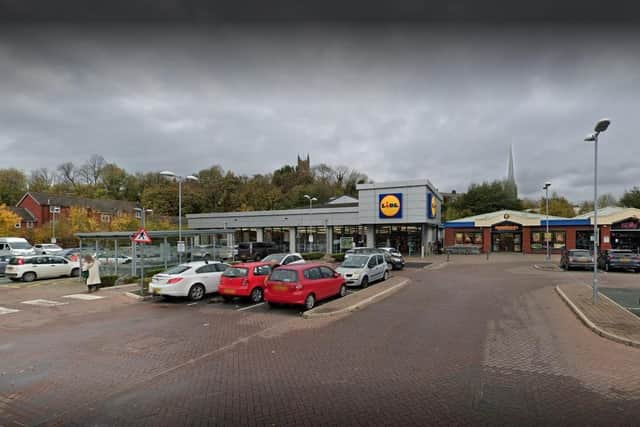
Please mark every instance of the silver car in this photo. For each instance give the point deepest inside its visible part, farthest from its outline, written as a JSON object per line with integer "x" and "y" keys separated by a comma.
{"x": 362, "y": 269}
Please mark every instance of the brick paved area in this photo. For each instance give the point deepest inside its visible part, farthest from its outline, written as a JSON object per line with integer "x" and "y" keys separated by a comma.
{"x": 467, "y": 344}
{"x": 606, "y": 314}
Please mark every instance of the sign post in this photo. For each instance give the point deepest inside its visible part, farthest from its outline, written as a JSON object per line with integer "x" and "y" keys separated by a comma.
{"x": 143, "y": 238}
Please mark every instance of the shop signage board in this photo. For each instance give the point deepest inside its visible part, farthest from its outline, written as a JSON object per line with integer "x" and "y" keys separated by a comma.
{"x": 390, "y": 205}
{"x": 432, "y": 206}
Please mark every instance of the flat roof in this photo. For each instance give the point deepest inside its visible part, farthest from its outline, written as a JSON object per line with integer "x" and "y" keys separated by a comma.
{"x": 154, "y": 233}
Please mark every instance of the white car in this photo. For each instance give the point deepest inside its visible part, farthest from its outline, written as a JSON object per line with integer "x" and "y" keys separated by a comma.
{"x": 284, "y": 259}
{"x": 30, "y": 268}
{"x": 192, "y": 279}
{"x": 47, "y": 249}
{"x": 362, "y": 269}
{"x": 107, "y": 259}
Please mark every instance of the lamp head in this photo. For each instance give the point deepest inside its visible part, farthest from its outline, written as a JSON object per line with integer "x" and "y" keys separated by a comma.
{"x": 192, "y": 178}
{"x": 546, "y": 185}
{"x": 306, "y": 196}
{"x": 313, "y": 199}
{"x": 591, "y": 137}
{"x": 602, "y": 125}
{"x": 167, "y": 173}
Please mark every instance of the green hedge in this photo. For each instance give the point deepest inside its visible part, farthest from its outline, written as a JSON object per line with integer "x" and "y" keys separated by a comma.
{"x": 338, "y": 257}
{"x": 152, "y": 271}
{"x": 313, "y": 255}
{"x": 108, "y": 280}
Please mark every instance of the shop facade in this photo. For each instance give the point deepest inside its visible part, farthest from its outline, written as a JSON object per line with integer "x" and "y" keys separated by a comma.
{"x": 524, "y": 232}
{"x": 405, "y": 215}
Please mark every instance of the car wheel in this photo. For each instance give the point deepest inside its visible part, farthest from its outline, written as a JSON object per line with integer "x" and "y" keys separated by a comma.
{"x": 75, "y": 272}
{"x": 365, "y": 282}
{"x": 343, "y": 291}
{"x": 386, "y": 275}
{"x": 257, "y": 295}
{"x": 196, "y": 292}
{"x": 310, "y": 301}
{"x": 29, "y": 277}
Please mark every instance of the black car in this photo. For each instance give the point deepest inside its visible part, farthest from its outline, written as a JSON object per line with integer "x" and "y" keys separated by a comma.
{"x": 576, "y": 258}
{"x": 255, "y": 251}
{"x": 619, "y": 259}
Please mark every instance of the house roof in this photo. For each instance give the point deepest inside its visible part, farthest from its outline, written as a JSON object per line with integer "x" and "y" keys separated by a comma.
{"x": 23, "y": 213}
{"x": 491, "y": 218}
{"x": 612, "y": 214}
{"x": 99, "y": 205}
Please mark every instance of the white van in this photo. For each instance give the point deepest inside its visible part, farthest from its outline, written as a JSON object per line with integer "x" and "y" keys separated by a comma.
{"x": 15, "y": 246}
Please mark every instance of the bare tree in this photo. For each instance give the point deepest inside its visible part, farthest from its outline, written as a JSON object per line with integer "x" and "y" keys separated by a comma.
{"x": 41, "y": 179}
{"x": 341, "y": 173}
{"x": 324, "y": 173}
{"x": 68, "y": 173}
{"x": 91, "y": 170}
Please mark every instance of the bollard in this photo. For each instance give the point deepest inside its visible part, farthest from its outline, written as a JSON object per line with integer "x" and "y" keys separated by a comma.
{"x": 448, "y": 253}
{"x": 487, "y": 255}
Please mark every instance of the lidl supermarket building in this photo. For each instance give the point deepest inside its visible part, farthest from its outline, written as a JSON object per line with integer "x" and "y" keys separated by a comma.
{"x": 514, "y": 231}
{"x": 404, "y": 214}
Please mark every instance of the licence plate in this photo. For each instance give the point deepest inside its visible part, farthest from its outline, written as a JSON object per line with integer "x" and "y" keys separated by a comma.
{"x": 626, "y": 259}
{"x": 279, "y": 287}
{"x": 229, "y": 291}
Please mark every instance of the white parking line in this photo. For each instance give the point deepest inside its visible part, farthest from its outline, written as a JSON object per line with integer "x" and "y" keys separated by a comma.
{"x": 44, "y": 302}
{"x": 5, "y": 310}
{"x": 251, "y": 306}
{"x": 84, "y": 297}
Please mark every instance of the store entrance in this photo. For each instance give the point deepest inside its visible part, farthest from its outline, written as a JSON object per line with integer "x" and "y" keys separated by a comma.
{"x": 626, "y": 235}
{"x": 507, "y": 242}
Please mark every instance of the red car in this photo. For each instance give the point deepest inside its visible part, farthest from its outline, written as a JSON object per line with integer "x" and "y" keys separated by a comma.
{"x": 303, "y": 284}
{"x": 244, "y": 280}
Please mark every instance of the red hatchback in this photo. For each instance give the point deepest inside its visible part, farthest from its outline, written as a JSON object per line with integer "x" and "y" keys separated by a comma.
{"x": 244, "y": 280}
{"x": 303, "y": 284}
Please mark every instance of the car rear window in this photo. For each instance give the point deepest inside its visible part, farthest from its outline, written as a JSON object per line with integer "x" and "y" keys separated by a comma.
{"x": 283, "y": 275}
{"x": 236, "y": 272}
{"x": 178, "y": 269}
{"x": 16, "y": 261}
{"x": 20, "y": 245}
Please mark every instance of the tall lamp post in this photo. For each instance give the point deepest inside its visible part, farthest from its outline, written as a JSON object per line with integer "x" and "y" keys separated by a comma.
{"x": 311, "y": 200}
{"x": 546, "y": 236}
{"x": 180, "y": 179}
{"x": 600, "y": 127}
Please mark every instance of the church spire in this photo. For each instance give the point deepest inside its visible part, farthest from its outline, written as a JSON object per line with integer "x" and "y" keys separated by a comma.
{"x": 511, "y": 177}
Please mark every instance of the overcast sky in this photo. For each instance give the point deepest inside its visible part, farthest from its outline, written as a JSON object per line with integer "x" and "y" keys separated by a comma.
{"x": 393, "y": 101}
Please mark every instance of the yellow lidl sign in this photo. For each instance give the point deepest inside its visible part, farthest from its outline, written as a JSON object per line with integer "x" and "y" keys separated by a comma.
{"x": 432, "y": 206}
{"x": 390, "y": 205}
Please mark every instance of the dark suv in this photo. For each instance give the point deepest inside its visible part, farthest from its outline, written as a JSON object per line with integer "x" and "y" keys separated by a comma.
{"x": 620, "y": 259}
{"x": 256, "y": 250}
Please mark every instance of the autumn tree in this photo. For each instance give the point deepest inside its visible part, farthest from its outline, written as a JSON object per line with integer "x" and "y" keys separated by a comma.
{"x": 558, "y": 206}
{"x": 8, "y": 221}
{"x": 631, "y": 198}
{"x": 13, "y": 185}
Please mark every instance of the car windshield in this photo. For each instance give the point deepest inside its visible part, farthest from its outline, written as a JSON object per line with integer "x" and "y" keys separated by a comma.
{"x": 20, "y": 245}
{"x": 274, "y": 257}
{"x": 178, "y": 269}
{"x": 355, "y": 261}
{"x": 236, "y": 272}
{"x": 283, "y": 275}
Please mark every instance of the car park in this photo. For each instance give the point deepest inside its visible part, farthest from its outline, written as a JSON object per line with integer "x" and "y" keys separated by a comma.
{"x": 47, "y": 249}
{"x": 193, "y": 280}
{"x": 284, "y": 259}
{"x": 108, "y": 259}
{"x": 303, "y": 284}
{"x": 362, "y": 269}
{"x": 245, "y": 280}
{"x": 576, "y": 258}
{"x": 30, "y": 268}
{"x": 619, "y": 259}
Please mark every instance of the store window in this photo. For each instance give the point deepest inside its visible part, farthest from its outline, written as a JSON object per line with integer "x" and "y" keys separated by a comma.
{"x": 245, "y": 235}
{"x": 277, "y": 235}
{"x": 311, "y": 239}
{"x": 347, "y": 236}
{"x": 584, "y": 240}
{"x": 557, "y": 240}
{"x": 469, "y": 238}
{"x": 405, "y": 238}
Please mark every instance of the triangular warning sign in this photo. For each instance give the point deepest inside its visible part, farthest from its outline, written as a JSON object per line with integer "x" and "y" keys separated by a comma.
{"x": 142, "y": 236}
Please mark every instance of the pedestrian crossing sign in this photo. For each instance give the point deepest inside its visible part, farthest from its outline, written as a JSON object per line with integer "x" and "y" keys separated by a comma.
{"x": 142, "y": 236}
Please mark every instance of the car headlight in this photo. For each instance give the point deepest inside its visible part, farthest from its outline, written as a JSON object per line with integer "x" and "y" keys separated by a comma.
{"x": 355, "y": 276}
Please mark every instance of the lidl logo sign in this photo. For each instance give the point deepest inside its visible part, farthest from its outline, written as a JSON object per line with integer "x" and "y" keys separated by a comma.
{"x": 390, "y": 205}
{"x": 432, "y": 206}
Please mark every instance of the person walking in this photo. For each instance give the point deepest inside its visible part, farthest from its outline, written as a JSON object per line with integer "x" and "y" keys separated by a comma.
{"x": 91, "y": 272}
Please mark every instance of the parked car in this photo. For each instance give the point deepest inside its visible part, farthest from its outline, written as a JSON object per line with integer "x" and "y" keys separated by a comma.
{"x": 284, "y": 259}
{"x": 109, "y": 259}
{"x": 576, "y": 258}
{"x": 619, "y": 259}
{"x": 256, "y": 250}
{"x": 30, "y": 268}
{"x": 210, "y": 252}
{"x": 362, "y": 269}
{"x": 245, "y": 280}
{"x": 72, "y": 254}
{"x": 303, "y": 284}
{"x": 362, "y": 250}
{"x": 192, "y": 279}
{"x": 4, "y": 260}
{"x": 395, "y": 258}
{"x": 15, "y": 246}
{"x": 47, "y": 249}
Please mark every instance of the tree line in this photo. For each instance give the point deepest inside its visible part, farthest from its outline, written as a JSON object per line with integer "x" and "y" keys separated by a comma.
{"x": 493, "y": 196}
{"x": 216, "y": 191}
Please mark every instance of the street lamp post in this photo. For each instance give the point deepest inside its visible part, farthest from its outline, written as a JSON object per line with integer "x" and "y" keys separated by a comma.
{"x": 600, "y": 127}
{"x": 546, "y": 236}
{"x": 311, "y": 200}
{"x": 180, "y": 179}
